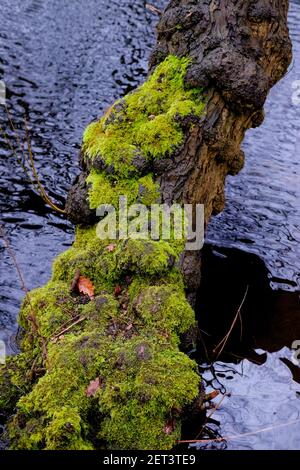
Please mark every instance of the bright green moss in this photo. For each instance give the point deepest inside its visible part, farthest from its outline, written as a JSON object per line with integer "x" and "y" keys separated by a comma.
{"x": 147, "y": 121}
{"x": 128, "y": 336}
{"x": 163, "y": 382}
{"x": 52, "y": 306}
{"x": 141, "y": 380}
{"x": 165, "y": 307}
{"x": 105, "y": 190}
{"x": 14, "y": 380}
{"x": 147, "y": 257}
{"x": 65, "y": 431}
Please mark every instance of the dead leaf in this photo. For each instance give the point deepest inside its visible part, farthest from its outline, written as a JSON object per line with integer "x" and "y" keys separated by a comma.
{"x": 93, "y": 387}
{"x": 111, "y": 247}
{"x": 118, "y": 290}
{"x": 210, "y": 396}
{"x": 85, "y": 286}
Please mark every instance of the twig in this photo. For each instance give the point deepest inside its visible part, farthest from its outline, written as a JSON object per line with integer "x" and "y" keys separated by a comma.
{"x": 81, "y": 319}
{"x": 32, "y": 317}
{"x": 12, "y": 255}
{"x": 215, "y": 408}
{"x": 75, "y": 281}
{"x": 223, "y": 342}
{"x": 153, "y": 9}
{"x": 18, "y": 158}
{"x": 238, "y": 436}
{"x": 28, "y": 159}
{"x": 36, "y": 177}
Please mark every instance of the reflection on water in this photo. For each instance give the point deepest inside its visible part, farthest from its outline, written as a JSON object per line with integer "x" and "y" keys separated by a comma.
{"x": 63, "y": 64}
{"x": 252, "y": 366}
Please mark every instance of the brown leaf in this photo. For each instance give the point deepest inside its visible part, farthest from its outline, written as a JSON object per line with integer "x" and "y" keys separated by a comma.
{"x": 118, "y": 290}
{"x": 93, "y": 387}
{"x": 210, "y": 396}
{"x": 111, "y": 247}
{"x": 85, "y": 286}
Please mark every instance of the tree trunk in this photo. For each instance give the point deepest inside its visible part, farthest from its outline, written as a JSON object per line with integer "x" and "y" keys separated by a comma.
{"x": 108, "y": 367}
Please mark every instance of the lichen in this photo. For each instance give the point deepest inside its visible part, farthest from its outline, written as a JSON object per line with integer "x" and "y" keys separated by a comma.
{"x": 127, "y": 338}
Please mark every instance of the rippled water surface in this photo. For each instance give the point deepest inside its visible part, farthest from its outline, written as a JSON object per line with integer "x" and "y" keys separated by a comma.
{"x": 63, "y": 63}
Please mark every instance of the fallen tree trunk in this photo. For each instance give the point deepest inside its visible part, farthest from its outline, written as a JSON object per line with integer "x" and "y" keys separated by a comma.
{"x": 107, "y": 366}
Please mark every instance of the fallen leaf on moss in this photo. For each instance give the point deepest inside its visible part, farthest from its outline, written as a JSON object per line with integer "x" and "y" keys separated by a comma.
{"x": 85, "y": 286}
{"x": 118, "y": 290}
{"x": 111, "y": 247}
{"x": 93, "y": 387}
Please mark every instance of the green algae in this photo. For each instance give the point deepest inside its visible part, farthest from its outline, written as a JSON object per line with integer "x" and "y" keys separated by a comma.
{"x": 128, "y": 336}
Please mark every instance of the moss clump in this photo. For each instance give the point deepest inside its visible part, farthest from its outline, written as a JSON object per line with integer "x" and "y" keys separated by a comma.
{"x": 15, "y": 381}
{"x": 143, "y": 378}
{"x": 105, "y": 190}
{"x": 126, "y": 339}
{"x": 147, "y": 121}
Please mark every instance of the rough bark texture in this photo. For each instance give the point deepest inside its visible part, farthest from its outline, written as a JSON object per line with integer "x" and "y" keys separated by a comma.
{"x": 240, "y": 49}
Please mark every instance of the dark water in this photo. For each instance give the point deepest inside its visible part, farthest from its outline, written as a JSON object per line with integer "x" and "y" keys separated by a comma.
{"x": 63, "y": 63}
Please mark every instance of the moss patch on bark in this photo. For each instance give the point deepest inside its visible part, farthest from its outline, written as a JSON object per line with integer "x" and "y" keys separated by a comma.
{"x": 127, "y": 338}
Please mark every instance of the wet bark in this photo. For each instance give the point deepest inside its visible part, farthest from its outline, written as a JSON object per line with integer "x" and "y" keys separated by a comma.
{"x": 239, "y": 50}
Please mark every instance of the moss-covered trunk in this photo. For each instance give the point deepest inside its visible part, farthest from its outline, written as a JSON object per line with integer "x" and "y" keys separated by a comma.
{"x": 110, "y": 369}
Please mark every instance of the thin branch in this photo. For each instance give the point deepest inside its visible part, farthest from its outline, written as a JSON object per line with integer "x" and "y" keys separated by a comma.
{"x": 223, "y": 342}
{"x": 239, "y": 436}
{"x": 12, "y": 256}
{"x": 32, "y": 317}
{"x": 153, "y": 9}
{"x": 65, "y": 330}
{"x": 7, "y": 141}
{"x": 28, "y": 159}
{"x": 215, "y": 408}
{"x": 35, "y": 174}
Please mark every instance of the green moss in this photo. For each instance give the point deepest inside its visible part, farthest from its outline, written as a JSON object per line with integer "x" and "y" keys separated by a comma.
{"x": 52, "y": 306}
{"x": 126, "y": 338}
{"x": 65, "y": 431}
{"x": 147, "y": 257}
{"x": 164, "y": 381}
{"x": 105, "y": 190}
{"x": 14, "y": 380}
{"x": 141, "y": 380}
{"x": 147, "y": 121}
{"x": 166, "y": 308}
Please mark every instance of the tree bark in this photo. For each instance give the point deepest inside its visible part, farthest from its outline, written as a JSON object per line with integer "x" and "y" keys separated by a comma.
{"x": 239, "y": 50}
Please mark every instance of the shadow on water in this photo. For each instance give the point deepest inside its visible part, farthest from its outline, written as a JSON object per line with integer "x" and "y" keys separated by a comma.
{"x": 255, "y": 366}
{"x": 269, "y": 319}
